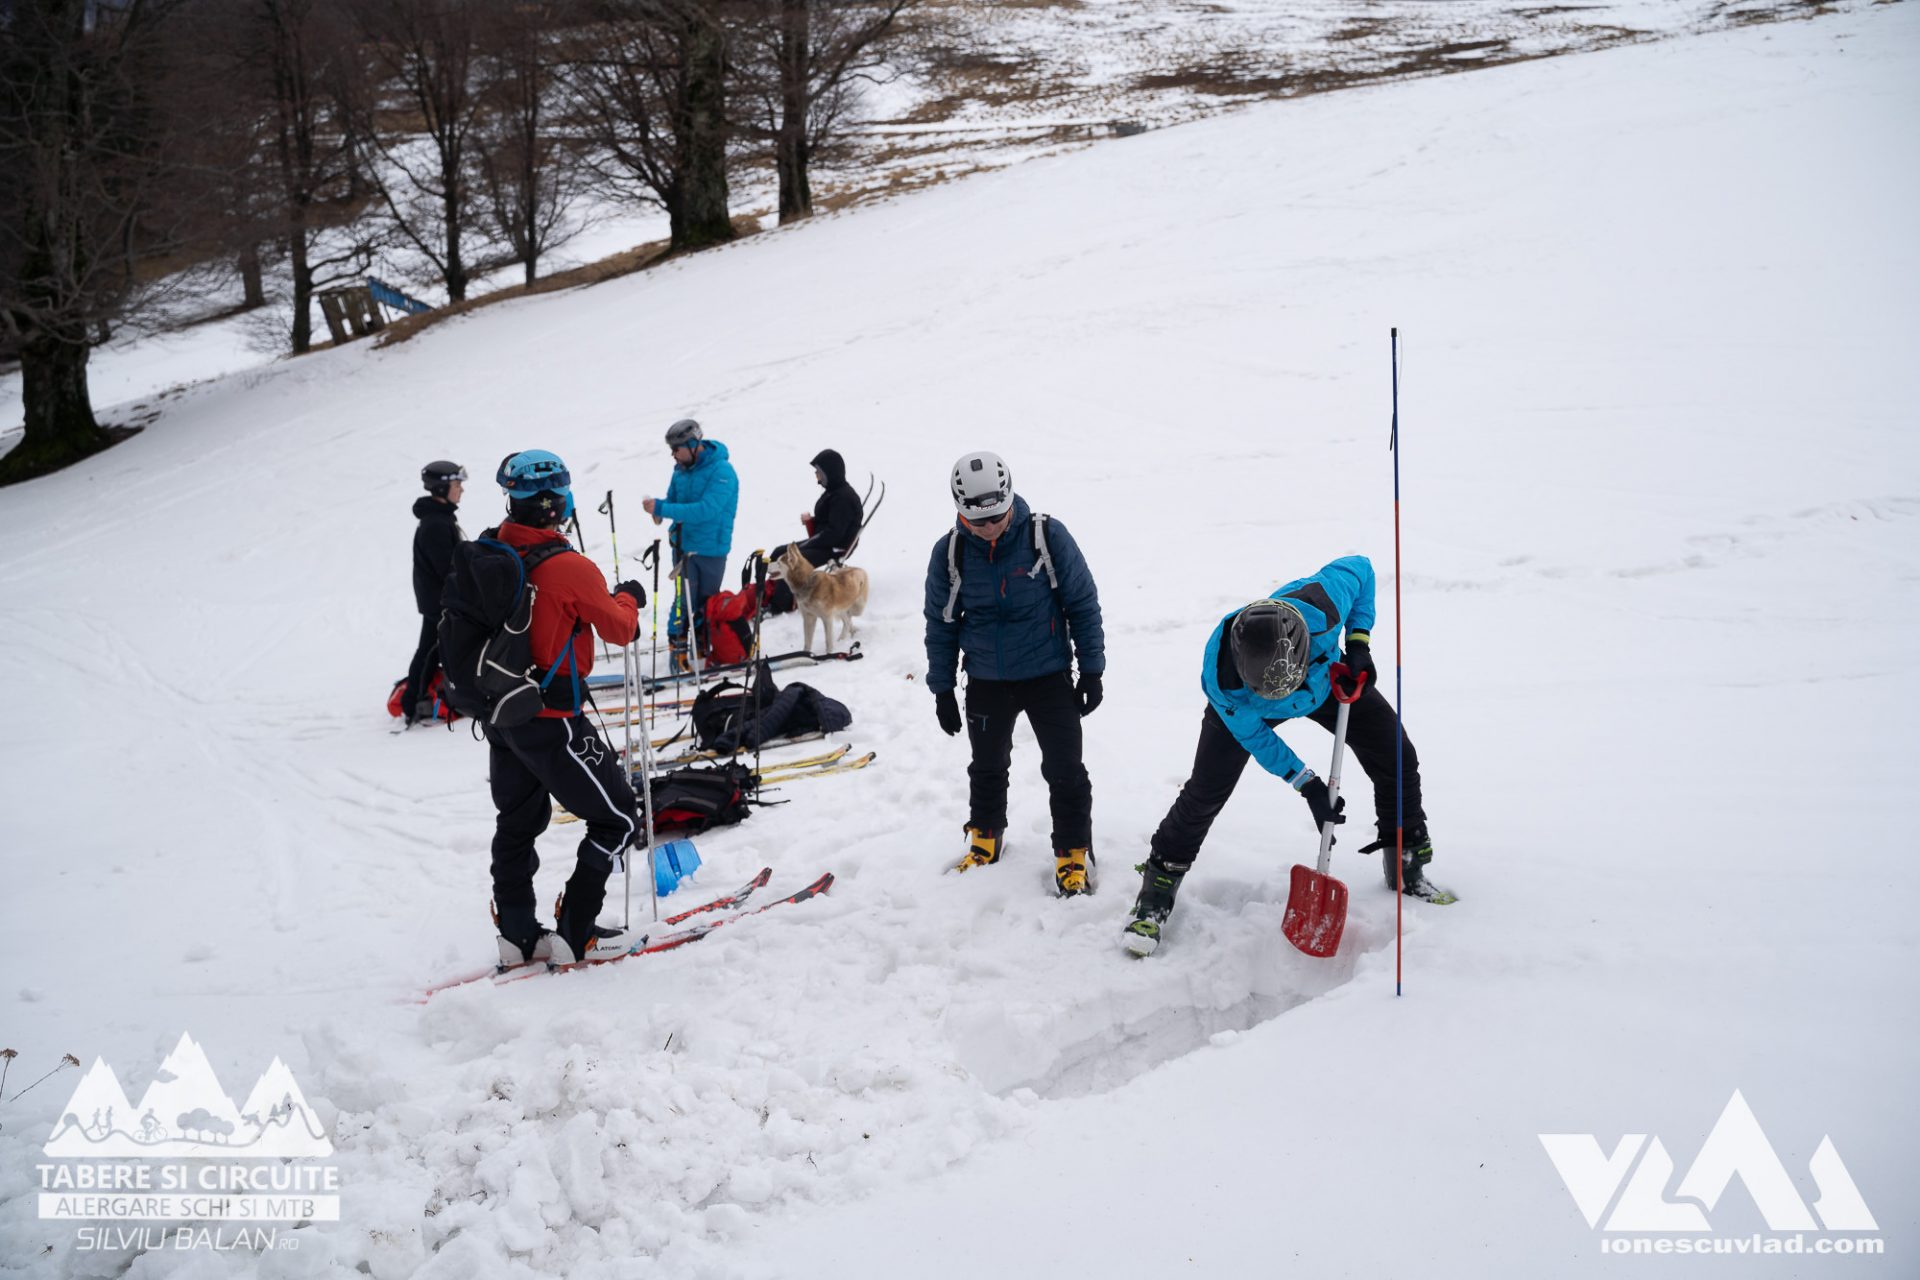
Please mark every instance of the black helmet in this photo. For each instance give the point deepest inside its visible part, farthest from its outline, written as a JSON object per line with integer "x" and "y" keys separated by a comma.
{"x": 684, "y": 432}
{"x": 437, "y": 476}
{"x": 1271, "y": 645}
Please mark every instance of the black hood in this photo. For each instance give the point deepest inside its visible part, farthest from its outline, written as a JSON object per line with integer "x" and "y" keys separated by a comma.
{"x": 432, "y": 506}
{"x": 832, "y": 466}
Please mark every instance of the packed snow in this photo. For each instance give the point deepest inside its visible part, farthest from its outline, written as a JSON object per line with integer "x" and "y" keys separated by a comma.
{"x": 1658, "y": 515}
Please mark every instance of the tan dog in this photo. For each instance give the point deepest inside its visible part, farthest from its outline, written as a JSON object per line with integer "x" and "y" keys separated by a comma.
{"x": 832, "y": 593}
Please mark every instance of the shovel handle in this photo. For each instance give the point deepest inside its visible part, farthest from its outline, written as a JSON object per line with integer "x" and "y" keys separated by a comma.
{"x": 1340, "y": 672}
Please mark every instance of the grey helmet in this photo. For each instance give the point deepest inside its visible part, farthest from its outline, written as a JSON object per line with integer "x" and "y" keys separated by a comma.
{"x": 1271, "y": 647}
{"x": 982, "y": 486}
{"x": 685, "y": 432}
{"x": 437, "y": 477}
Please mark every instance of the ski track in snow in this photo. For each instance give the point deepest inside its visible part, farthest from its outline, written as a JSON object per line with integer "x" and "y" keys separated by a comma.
{"x": 210, "y": 830}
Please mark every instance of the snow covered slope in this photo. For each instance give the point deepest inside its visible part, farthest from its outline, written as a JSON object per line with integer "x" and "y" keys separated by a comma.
{"x": 1659, "y": 472}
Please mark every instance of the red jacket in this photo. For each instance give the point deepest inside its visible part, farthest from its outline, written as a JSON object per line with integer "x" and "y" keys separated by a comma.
{"x": 571, "y": 589}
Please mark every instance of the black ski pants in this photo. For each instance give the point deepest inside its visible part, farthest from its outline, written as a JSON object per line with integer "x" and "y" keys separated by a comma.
{"x": 426, "y": 661}
{"x": 1219, "y": 760}
{"x": 1053, "y": 709}
{"x": 529, "y": 767}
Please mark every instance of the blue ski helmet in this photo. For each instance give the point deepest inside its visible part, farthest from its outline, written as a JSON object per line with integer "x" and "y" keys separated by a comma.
{"x": 533, "y": 480}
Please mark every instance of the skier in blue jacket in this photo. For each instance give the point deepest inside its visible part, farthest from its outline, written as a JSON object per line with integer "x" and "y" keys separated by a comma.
{"x": 1009, "y": 595}
{"x": 701, "y": 501}
{"x": 1265, "y": 664}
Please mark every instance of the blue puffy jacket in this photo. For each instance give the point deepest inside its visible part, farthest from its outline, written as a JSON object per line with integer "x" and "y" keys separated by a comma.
{"x": 701, "y": 501}
{"x": 1009, "y": 623}
{"x": 1341, "y": 593}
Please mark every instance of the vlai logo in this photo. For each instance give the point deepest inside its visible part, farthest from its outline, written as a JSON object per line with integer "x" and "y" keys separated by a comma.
{"x": 187, "y": 1153}
{"x": 1633, "y": 1181}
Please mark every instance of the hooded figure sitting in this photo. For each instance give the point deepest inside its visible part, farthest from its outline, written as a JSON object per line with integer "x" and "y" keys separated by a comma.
{"x": 834, "y": 525}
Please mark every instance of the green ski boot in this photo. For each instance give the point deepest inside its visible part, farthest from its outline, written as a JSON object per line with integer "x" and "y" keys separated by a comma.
{"x": 1159, "y": 882}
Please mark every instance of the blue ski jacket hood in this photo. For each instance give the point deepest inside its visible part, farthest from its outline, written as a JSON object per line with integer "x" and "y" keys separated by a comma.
{"x": 701, "y": 501}
{"x": 1341, "y": 594}
{"x": 1009, "y": 623}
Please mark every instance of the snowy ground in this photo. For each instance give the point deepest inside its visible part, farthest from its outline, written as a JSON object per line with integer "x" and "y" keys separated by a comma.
{"x": 1659, "y": 502}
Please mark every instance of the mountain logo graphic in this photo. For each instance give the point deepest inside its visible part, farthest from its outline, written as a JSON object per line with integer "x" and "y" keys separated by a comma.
{"x": 185, "y": 1112}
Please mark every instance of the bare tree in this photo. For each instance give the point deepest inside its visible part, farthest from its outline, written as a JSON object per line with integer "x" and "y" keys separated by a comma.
{"x": 94, "y": 180}
{"x": 429, "y": 51}
{"x": 805, "y": 57}
{"x": 294, "y": 73}
{"x": 647, "y": 86}
{"x": 528, "y": 177}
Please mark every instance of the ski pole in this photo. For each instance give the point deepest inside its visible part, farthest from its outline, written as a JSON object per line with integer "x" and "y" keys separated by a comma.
{"x": 646, "y": 807}
{"x": 1399, "y": 688}
{"x": 652, "y": 555}
{"x": 760, "y": 668}
{"x": 580, "y": 538}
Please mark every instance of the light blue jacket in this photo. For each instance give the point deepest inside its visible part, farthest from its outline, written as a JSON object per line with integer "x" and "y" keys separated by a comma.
{"x": 1340, "y": 594}
{"x": 701, "y": 501}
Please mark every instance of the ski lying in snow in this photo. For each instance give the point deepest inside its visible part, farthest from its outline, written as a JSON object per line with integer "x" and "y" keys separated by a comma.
{"x": 527, "y": 969}
{"x": 672, "y": 940}
{"x": 777, "y": 662}
{"x": 781, "y": 769}
{"x": 697, "y": 757}
{"x": 726, "y": 900}
{"x": 700, "y": 931}
{"x": 794, "y": 772}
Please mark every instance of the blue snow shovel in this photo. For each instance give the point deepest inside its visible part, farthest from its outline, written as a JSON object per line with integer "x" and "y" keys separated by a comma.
{"x": 1316, "y": 902}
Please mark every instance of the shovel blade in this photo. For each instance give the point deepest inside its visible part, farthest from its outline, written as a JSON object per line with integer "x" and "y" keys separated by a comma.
{"x": 1316, "y": 912}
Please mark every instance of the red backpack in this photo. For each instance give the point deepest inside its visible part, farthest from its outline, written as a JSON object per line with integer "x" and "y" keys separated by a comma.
{"x": 729, "y": 626}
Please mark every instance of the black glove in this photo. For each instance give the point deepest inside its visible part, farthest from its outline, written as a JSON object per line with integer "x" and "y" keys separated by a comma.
{"x": 1324, "y": 810}
{"x": 1360, "y": 661}
{"x": 632, "y": 587}
{"x": 947, "y": 707}
{"x": 1090, "y": 692}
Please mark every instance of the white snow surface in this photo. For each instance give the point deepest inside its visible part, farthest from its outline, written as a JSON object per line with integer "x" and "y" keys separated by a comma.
{"x": 1658, "y": 501}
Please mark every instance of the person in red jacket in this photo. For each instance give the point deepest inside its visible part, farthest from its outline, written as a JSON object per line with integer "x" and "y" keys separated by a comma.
{"x": 557, "y": 755}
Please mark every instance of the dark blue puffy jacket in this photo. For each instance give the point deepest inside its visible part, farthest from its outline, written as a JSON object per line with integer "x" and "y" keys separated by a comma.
{"x": 1009, "y": 624}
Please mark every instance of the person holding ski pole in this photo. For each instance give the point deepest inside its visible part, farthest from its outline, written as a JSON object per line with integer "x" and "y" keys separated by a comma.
{"x": 1009, "y": 593}
{"x": 434, "y": 539}
{"x": 701, "y": 501}
{"x": 1265, "y": 664}
{"x": 555, "y": 754}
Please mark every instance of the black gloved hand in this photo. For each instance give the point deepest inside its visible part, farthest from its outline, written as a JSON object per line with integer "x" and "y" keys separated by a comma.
{"x": 1090, "y": 692}
{"x": 1359, "y": 660}
{"x": 1324, "y": 809}
{"x": 632, "y": 587}
{"x": 947, "y": 707}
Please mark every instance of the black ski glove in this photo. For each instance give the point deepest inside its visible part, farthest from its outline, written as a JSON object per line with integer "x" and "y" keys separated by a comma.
{"x": 1090, "y": 692}
{"x": 947, "y": 707}
{"x": 1324, "y": 811}
{"x": 1359, "y": 658}
{"x": 632, "y": 587}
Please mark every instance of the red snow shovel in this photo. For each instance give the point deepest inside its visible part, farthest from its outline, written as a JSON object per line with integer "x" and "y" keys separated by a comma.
{"x": 1316, "y": 902}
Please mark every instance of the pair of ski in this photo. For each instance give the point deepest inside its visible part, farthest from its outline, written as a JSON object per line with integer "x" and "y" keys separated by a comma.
{"x": 726, "y": 902}
{"x": 825, "y": 763}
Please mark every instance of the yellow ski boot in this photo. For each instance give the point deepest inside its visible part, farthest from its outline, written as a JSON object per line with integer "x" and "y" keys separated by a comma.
{"x": 1073, "y": 872}
{"x": 983, "y": 848}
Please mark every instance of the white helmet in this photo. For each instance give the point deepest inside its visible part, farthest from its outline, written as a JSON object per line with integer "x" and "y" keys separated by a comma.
{"x": 982, "y": 486}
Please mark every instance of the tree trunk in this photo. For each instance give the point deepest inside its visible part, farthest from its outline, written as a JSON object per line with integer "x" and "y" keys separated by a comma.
{"x": 456, "y": 265}
{"x": 703, "y": 218}
{"x": 302, "y": 288}
{"x": 60, "y": 424}
{"x": 254, "y": 293}
{"x": 791, "y": 150}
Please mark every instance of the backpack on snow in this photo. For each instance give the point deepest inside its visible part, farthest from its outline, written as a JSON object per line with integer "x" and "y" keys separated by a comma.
{"x": 689, "y": 801}
{"x": 485, "y": 616}
{"x": 729, "y": 626}
{"x": 1042, "y": 559}
{"x": 730, "y": 717}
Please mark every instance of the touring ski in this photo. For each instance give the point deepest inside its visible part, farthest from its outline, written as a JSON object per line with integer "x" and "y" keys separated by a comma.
{"x": 700, "y": 931}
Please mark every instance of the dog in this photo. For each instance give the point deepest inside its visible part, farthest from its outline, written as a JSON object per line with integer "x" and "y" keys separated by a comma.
{"x": 822, "y": 593}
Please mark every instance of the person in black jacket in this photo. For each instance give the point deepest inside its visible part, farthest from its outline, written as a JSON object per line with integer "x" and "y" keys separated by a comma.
{"x": 433, "y": 543}
{"x": 835, "y": 522}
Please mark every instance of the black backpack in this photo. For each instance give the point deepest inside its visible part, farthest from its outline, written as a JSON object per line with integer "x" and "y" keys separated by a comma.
{"x": 689, "y": 801}
{"x": 730, "y": 717}
{"x": 485, "y": 614}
